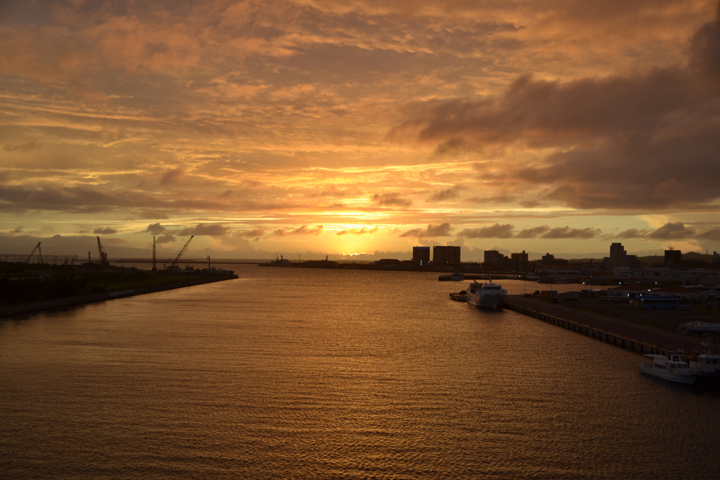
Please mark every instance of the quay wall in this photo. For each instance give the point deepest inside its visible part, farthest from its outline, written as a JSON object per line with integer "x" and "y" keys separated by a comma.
{"x": 621, "y": 341}
{"x": 35, "y": 307}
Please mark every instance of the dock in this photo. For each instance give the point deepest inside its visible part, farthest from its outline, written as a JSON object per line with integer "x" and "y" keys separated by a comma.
{"x": 638, "y": 338}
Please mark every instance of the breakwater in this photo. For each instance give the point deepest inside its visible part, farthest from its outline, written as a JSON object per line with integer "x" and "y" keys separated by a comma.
{"x": 34, "y": 307}
{"x": 627, "y": 334}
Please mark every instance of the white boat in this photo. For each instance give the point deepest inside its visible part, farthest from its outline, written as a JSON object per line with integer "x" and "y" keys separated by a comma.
{"x": 699, "y": 327}
{"x": 487, "y": 295}
{"x": 706, "y": 365}
{"x": 672, "y": 369}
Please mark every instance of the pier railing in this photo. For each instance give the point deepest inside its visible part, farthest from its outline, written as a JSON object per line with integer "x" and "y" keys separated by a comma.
{"x": 621, "y": 341}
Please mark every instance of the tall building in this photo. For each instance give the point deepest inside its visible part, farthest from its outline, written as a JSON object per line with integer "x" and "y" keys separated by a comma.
{"x": 421, "y": 256}
{"x": 492, "y": 258}
{"x": 673, "y": 257}
{"x": 446, "y": 255}
{"x": 548, "y": 259}
{"x": 618, "y": 256}
{"x": 519, "y": 260}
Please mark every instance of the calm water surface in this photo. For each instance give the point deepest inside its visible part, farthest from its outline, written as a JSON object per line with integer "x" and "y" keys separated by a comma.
{"x": 334, "y": 374}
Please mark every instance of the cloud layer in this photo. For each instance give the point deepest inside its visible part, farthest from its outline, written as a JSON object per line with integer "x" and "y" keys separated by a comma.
{"x": 361, "y": 125}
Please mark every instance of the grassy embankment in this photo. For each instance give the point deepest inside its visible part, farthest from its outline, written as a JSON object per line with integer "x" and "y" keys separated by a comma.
{"x": 22, "y": 283}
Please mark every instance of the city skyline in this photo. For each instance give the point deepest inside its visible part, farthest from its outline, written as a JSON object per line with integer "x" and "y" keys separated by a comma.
{"x": 359, "y": 129}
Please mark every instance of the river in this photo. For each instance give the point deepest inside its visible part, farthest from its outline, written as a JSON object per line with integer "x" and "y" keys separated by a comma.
{"x": 302, "y": 373}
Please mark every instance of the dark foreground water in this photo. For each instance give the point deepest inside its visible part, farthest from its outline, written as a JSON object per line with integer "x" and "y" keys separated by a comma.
{"x": 334, "y": 374}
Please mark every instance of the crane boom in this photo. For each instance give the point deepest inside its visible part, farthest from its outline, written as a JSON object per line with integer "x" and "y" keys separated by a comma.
{"x": 31, "y": 253}
{"x": 103, "y": 254}
{"x": 177, "y": 259}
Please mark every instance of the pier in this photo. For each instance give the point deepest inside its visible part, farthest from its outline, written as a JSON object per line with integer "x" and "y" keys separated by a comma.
{"x": 638, "y": 338}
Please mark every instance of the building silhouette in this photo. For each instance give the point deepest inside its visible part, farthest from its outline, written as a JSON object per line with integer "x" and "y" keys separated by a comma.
{"x": 448, "y": 255}
{"x": 421, "y": 256}
{"x": 673, "y": 257}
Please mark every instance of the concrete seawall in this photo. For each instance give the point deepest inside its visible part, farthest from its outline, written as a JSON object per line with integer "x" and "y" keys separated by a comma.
{"x": 35, "y": 307}
{"x": 636, "y": 338}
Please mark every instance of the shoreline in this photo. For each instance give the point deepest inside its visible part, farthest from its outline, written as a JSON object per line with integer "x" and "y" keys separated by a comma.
{"x": 59, "y": 303}
{"x": 638, "y": 338}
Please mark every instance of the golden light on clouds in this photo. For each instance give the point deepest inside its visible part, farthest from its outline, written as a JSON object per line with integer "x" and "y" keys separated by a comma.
{"x": 257, "y": 123}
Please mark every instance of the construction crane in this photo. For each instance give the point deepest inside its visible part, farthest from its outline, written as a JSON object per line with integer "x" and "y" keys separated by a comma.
{"x": 37, "y": 247}
{"x": 103, "y": 254}
{"x": 177, "y": 259}
{"x": 154, "y": 269}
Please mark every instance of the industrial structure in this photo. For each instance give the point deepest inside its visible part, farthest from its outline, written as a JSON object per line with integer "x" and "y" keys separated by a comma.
{"x": 40, "y": 259}
{"x": 179, "y": 255}
{"x": 103, "y": 254}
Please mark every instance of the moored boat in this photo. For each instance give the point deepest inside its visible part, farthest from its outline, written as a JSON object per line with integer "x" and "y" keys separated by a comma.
{"x": 672, "y": 369}
{"x": 460, "y": 296}
{"x": 486, "y": 295}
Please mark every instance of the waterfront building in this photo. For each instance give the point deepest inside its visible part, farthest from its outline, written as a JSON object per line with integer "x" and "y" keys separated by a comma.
{"x": 617, "y": 255}
{"x": 619, "y": 258}
{"x": 493, "y": 258}
{"x": 421, "y": 256}
{"x": 447, "y": 255}
{"x": 673, "y": 257}
{"x": 549, "y": 259}
{"x": 519, "y": 261}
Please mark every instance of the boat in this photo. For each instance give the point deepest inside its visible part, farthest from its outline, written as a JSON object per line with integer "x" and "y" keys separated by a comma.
{"x": 672, "y": 369}
{"x": 460, "y": 296}
{"x": 455, "y": 277}
{"x": 487, "y": 295}
{"x": 699, "y": 327}
{"x": 707, "y": 364}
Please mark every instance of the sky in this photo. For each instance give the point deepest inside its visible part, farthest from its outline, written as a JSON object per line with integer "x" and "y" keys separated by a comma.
{"x": 359, "y": 128}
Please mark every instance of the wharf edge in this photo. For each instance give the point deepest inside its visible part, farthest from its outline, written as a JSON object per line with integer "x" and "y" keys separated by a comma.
{"x": 663, "y": 342}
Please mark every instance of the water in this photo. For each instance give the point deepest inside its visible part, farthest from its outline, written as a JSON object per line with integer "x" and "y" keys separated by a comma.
{"x": 330, "y": 374}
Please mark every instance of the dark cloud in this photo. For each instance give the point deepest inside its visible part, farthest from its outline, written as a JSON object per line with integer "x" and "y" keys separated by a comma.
{"x": 669, "y": 231}
{"x": 358, "y": 231}
{"x": 172, "y": 176}
{"x": 493, "y": 199}
{"x": 706, "y": 48}
{"x": 672, "y": 231}
{"x": 257, "y": 232}
{"x": 452, "y": 146}
{"x": 446, "y": 194}
{"x": 442, "y": 230}
{"x": 619, "y": 141}
{"x": 390, "y": 200}
{"x": 632, "y": 233}
{"x": 93, "y": 199}
{"x": 304, "y": 230}
{"x": 25, "y": 147}
{"x": 105, "y": 231}
{"x": 154, "y": 228}
{"x": 208, "y": 229}
{"x": 18, "y": 230}
{"x": 151, "y": 215}
{"x": 493, "y": 231}
{"x": 165, "y": 239}
{"x": 567, "y": 232}
{"x": 532, "y": 232}
{"x": 713, "y": 235}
